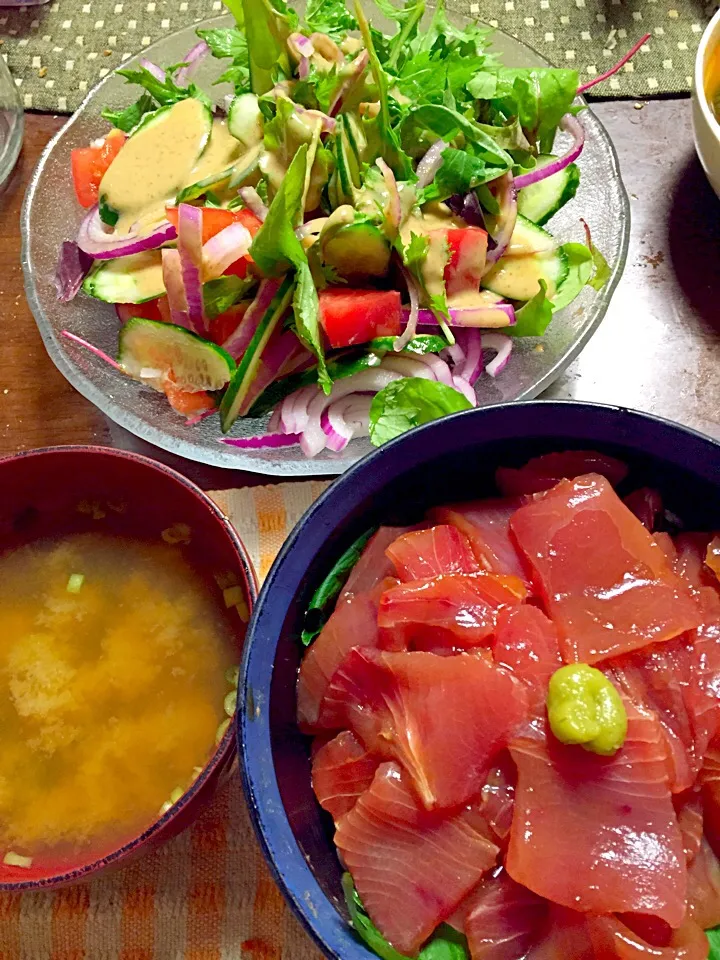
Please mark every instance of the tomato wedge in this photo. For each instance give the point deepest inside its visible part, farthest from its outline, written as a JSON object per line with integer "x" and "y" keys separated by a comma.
{"x": 464, "y": 269}
{"x": 151, "y": 310}
{"x": 189, "y": 403}
{"x": 356, "y": 316}
{"x": 215, "y": 219}
{"x": 89, "y": 164}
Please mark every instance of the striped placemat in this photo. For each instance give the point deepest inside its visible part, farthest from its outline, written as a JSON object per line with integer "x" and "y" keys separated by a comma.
{"x": 58, "y": 51}
{"x": 207, "y": 894}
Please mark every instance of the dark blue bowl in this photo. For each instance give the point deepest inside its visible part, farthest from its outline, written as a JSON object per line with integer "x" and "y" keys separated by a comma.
{"x": 450, "y": 459}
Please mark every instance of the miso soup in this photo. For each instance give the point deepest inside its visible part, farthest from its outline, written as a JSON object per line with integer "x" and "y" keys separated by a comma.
{"x": 113, "y": 662}
{"x": 712, "y": 81}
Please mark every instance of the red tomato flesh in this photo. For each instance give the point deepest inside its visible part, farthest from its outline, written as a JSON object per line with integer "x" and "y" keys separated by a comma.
{"x": 464, "y": 269}
{"x": 89, "y": 164}
{"x": 215, "y": 219}
{"x": 356, "y": 316}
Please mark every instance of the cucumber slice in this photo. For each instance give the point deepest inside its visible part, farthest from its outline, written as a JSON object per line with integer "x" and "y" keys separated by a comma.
{"x": 541, "y": 201}
{"x": 357, "y": 250}
{"x": 246, "y": 172}
{"x": 245, "y": 120}
{"x": 232, "y": 401}
{"x": 531, "y": 256}
{"x": 132, "y": 279}
{"x": 153, "y": 352}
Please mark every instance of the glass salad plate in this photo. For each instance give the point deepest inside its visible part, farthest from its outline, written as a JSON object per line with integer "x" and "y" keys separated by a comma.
{"x": 51, "y": 214}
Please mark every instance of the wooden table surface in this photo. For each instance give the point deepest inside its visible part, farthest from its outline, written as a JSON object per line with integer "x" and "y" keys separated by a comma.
{"x": 656, "y": 350}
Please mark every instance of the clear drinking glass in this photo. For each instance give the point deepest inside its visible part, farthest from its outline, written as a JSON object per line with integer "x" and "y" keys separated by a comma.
{"x": 11, "y": 122}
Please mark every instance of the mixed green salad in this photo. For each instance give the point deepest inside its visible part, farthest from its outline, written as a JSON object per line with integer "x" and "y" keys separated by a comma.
{"x": 349, "y": 241}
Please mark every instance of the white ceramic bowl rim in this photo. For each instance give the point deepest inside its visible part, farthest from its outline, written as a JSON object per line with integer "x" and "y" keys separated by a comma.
{"x": 709, "y": 40}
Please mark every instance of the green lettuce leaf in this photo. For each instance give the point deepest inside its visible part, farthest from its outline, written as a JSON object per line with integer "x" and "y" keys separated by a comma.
{"x": 323, "y": 600}
{"x": 224, "y": 292}
{"x": 329, "y": 16}
{"x": 131, "y": 116}
{"x": 268, "y": 24}
{"x": 228, "y": 42}
{"x": 406, "y": 403}
{"x": 164, "y": 92}
{"x": 533, "y": 318}
{"x": 714, "y": 941}
{"x": 440, "y": 121}
{"x": 275, "y": 249}
{"x": 392, "y": 152}
{"x": 538, "y": 97}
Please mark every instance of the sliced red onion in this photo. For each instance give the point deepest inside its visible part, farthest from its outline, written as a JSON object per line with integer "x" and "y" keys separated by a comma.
{"x": 472, "y": 367}
{"x": 237, "y": 342}
{"x": 411, "y": 326}
{"x": 254, "y": 202}
{"x": 393, "y": 211}
{"x": 300, "y": 46}
{"x": 437, "y": 367}
{"x": 327, "y": 48}
{"x": 152, "y": 68}
{"x": 274, "y": 421}
{"x": 503, "y": 345}
{"x": 72, "y": 267}
{"x": 294, "y": 409}
{"x": 498, "y": 315}
{"x": 95, "y": 239}
{"x": 463, "y": 387}
{"x": 621, "y": 63}
{"x": 571, "y": 125}
{"x": 407, "y": 366}
{"x": 280, "y": 349}
{"x": 328, "y": 124}
{"x": 455, "y": 351}
{"x": 356, "y": 70}
{"x": 199, "y": 417}
{"x": 313, "y": 438}
{"x": 345, "y": 419}
{"x": 303, "y": 68}
{"x": 430, "y": 164}
{"x": 311, "y": 228}
{"x": 174, "y": 287}
{"x": 192, "y": 59}
{"x": 190, "y": 247}
{"x": 269, "y": 441}
{"x": 222, "y": 250}
{"x": 505, "y": 222}
{"x": 92, "y": 349}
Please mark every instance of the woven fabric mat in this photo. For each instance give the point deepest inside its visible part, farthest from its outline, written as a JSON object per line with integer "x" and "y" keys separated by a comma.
{"x": 207, "y": 894}
{"x": 58, "y": 51}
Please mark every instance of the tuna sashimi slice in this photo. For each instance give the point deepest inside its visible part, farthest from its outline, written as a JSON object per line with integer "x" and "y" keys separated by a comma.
{"x": 704, "y": 887}
{"x": 498, "y": 797}
{"x": 411, "y": 867}
{"x": 604, "y": 580}
{"x": 457, "y": 610}
{"x": 353, "y": 623}
{"x": 422, "y": 554}
{"x": 611, "y": 939}
{"x": 689, "y": 564}
{"x": 565, "y": 936}
{"x": 443, "y": 718}
{"x": 527, "y": 643}
{"x": 542, "y": 473}
{"x": 659, "y": 678}
{"x": 341, "y": 770}
{"x": 499, "y": 918}
{"x": 486, "y": 524}
{"x": 373, "y": 565}
{"x": 599, "y": 834}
